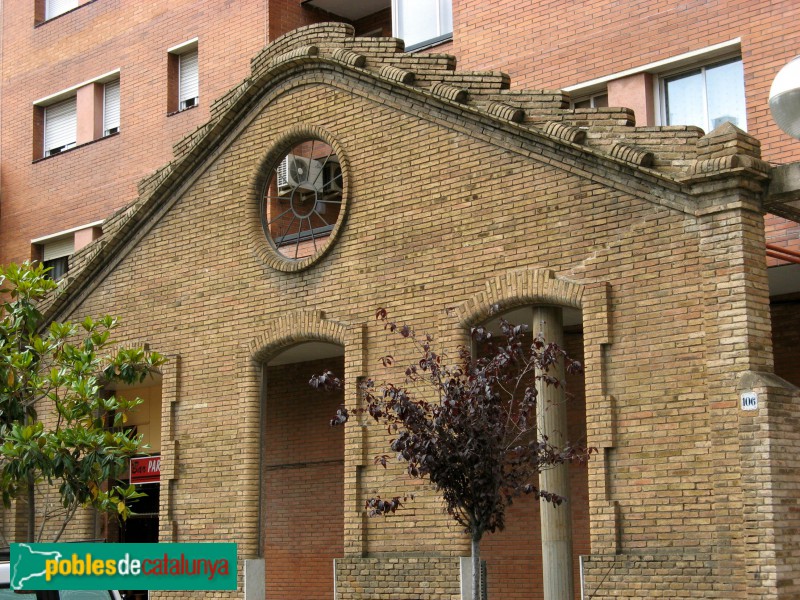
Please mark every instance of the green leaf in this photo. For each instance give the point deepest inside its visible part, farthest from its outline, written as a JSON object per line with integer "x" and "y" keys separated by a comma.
{"x": 62, "y": 372}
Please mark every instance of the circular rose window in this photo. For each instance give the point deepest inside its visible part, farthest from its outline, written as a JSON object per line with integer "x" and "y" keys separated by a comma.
{"x": 302, "y": 200}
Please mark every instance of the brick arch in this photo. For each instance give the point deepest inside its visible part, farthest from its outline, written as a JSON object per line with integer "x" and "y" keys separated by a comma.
{"x": 280, "y": 333}
{"x": 520, "y": 542}
{"x": 530, "y": 286}
{"x": 516, "y": 288}
{"x": 296, "y": 327}
{"x": 299, "y": 451}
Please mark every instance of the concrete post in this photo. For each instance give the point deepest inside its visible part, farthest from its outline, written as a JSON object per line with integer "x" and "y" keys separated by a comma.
{"x": 556, "y": 520}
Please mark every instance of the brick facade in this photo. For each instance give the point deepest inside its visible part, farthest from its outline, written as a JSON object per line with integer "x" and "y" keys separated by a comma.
{"x": 653, "y": 236}
{"x": 90, "y": 182}
{"x": 303, "y": 479}
{"x": 541, "y": 44}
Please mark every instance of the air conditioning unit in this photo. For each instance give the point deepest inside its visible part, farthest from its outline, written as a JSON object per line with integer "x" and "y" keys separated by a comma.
{"x": 295, "y": 171}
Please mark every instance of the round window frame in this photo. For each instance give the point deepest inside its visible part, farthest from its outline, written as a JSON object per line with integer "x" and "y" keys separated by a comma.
{"x": 281, "y": 148}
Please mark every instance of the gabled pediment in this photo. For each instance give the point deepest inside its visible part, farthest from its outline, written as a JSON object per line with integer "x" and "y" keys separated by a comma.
{"x": 672, "y": 166}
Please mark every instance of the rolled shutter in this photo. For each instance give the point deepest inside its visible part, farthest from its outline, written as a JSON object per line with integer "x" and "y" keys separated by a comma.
{"x": 60, "y": 125}
{"x": 53, "y": 8}
{"x": 111, "y": 107}
{"x": 189, "y": 85}
{"x": 58, "y": 248}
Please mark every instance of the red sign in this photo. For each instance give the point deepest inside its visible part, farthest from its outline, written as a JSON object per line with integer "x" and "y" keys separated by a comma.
{"x": 146, "y": 469}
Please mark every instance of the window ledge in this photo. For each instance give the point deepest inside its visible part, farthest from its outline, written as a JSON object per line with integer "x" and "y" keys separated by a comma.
{"x": 430, "y": 43}
{"x": 178, "y": 112}
{"x": 71, "y": 10}
{"x": 76, "y": 147}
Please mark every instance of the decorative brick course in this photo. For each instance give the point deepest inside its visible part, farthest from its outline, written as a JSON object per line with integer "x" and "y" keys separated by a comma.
{"x": 454, "y": 209}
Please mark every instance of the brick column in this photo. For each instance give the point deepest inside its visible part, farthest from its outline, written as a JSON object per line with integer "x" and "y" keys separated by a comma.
{"x": 552, "y": 416}
{"x": 738, "y": 340}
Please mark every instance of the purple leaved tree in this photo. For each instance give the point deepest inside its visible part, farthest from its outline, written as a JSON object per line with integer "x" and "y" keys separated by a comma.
{"x": 475, "y": 434}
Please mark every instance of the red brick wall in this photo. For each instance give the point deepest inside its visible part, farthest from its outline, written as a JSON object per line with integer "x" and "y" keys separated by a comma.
{"x": 541, "y": 43}
{"x": 303, "y": 518}
{"x": 786, "y": 337}
{"x": 554, "y": 44}
{"x": 285, "y": 15}
{"x": 89, "y": 182}
{"x": 514, "y": 556}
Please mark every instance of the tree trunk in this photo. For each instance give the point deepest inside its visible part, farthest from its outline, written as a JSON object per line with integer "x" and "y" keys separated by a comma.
{"x": 476, "y": 568}
{"x": 31, "y": 509}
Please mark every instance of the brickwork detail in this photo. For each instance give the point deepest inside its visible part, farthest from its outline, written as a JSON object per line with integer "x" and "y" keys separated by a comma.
{"x": 665, "y": 265}
{"x": 296, "y": 327}
{"x": 575, "y": 135}
{"x": 302, "y": 326}
{"x": 635, "y": 156}
{"x": 401, "y": 578}
{"x": 516, "y": 288}
{"x": 350, "y": 58}
{"x": 649, "y": 576}
{"x": 169, "y": 522}
{"x": 768, "y": 440}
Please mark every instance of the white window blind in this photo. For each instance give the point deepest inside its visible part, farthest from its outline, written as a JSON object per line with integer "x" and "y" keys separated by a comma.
{"x": 60, "y": 126}
{"x": 53, "y": 8}
{"x": 58, "y": 248}
{"x": 188, "y": 80}
{"x": 111, "y": 107}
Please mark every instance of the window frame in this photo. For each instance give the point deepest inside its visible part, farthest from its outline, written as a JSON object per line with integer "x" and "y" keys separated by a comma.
{"x": 176, "y": 103}
{"x": 187, "y": 99}
{"x": 427, "y": 43}
{"x": 47, "y": 5}
{"x": 95, "y": 103}
{"x": 58, "y": 242}
{"x": 50, "y": 148}
{"x": 701, "y": 68}
{"x": 592, "y": 99}
{"x": 55, "y": 254}
{"x": 671, "y": 65}
{"x": 115, "y": 125}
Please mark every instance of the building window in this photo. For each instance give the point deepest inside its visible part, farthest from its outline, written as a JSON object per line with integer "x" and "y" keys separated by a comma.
{"x": 303, "y": 201}
{"x": 188, "y": 82}
{"x": 678, "y": 90}
{"x": 422, "y": 23}
{"x": 55, "y": 250}
{"x": 707, "y": 96}
{"x": 183, "y": 77}
{"x": 60, "y": 126}
{"x": 594, "y": 101}
{"x": 77, "y": 115}
{"x": 55, "y": 255}
{"x": 111, "y": 108}
{"x": 53, "y": 8}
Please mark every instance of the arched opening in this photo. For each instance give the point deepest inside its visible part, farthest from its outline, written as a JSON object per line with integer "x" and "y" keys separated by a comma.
{"x": 144, "y": 471}
{"x": 302, "y": 473}
{"x": 515, "y": 564}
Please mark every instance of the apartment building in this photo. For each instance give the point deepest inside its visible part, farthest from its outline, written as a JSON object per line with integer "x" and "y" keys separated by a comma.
{"x": 154, "y": 143}
{"x": 96, "y": 93}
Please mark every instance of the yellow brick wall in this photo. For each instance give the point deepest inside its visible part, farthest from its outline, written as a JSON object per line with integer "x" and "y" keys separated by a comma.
{"x": 448, "y": 213}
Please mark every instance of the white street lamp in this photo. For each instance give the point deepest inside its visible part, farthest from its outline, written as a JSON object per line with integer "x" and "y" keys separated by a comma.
{"x": 784, "y": 98}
